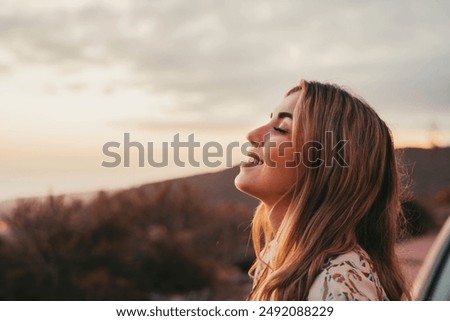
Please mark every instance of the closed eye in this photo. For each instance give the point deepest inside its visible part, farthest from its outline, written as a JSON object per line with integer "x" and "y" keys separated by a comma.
{"x": 280, "y": 130}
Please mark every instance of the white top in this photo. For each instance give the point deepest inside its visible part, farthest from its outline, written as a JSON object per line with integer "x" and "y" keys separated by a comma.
{"x": 346, "y": 277}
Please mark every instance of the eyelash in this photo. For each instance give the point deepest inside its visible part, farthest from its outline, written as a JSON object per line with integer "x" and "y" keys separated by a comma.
{"x": 278, "y": 129}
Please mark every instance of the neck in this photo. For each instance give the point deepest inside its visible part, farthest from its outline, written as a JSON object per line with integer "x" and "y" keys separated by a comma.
{"x": 276, "y": 211}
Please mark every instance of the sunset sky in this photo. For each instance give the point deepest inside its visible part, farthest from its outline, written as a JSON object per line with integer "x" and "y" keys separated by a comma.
{"x": 77, "y": 74}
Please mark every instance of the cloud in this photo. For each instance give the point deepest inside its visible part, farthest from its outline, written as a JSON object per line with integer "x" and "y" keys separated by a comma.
{"x": 241, "y": 56}
{"x": 205, "y": 124}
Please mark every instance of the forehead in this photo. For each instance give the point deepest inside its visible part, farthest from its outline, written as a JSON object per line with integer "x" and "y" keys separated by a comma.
{"x": 287, "y": 104}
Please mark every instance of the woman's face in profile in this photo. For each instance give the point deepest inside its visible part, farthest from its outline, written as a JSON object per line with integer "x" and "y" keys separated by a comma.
{"x": 268, "y": 172}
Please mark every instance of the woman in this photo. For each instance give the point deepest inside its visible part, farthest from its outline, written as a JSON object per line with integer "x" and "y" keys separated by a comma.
{"x": 325, "y": 172}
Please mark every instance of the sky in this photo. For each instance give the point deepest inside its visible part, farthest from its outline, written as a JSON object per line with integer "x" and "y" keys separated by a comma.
{"x": 75, "y": 75}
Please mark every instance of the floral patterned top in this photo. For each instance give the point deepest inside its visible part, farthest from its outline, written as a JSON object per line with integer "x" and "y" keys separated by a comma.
{"x": 345, "y": 277}
{"x": 348, "y": 277}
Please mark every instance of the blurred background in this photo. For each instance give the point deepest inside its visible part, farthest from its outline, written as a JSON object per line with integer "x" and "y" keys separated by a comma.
{"x": 75, "y": 75}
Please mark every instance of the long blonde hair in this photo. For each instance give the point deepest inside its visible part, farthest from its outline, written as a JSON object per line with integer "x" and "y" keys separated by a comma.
{"x": 335, "y": 208}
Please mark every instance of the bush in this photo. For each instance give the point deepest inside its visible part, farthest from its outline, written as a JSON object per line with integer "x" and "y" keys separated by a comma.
{"x": 418, "y": 219}
{"x": 125, "y": 246}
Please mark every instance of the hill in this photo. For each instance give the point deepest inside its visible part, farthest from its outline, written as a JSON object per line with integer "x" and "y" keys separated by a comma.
{"x": 215, "y": 187}
{"x": 428, "y": 170}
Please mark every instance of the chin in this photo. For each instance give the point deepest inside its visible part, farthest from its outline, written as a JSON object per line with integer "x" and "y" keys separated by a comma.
{"x": 246, "y": 185}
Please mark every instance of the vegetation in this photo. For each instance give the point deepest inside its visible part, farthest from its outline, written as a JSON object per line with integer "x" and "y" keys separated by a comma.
{"x": 132, "y": 245}
{"x": 164, "y": 242}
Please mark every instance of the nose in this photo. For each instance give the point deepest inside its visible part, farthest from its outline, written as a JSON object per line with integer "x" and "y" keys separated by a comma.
{"x": 256, "y": 136}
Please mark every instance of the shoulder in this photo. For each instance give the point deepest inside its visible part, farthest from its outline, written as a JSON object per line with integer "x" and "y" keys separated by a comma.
{"x": 347, "y": 277}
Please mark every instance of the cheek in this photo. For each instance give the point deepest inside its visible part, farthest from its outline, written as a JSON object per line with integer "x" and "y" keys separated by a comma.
{"x": 281, "y": 156}
{"x": 273, "y": 178}
{"x": 281, "y": 171}
{"x": 284, "y": 173}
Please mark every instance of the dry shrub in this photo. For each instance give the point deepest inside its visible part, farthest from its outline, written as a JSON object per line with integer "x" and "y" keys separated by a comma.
{"x": 419, "y": 219}
{"x": 127, "y": 246}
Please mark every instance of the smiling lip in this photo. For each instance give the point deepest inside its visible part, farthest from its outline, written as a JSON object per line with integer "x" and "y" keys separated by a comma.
{"x": 255, "y": 160}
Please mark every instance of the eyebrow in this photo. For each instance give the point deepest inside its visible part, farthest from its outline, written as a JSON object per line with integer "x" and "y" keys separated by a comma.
{"x": 283, "y": 115}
